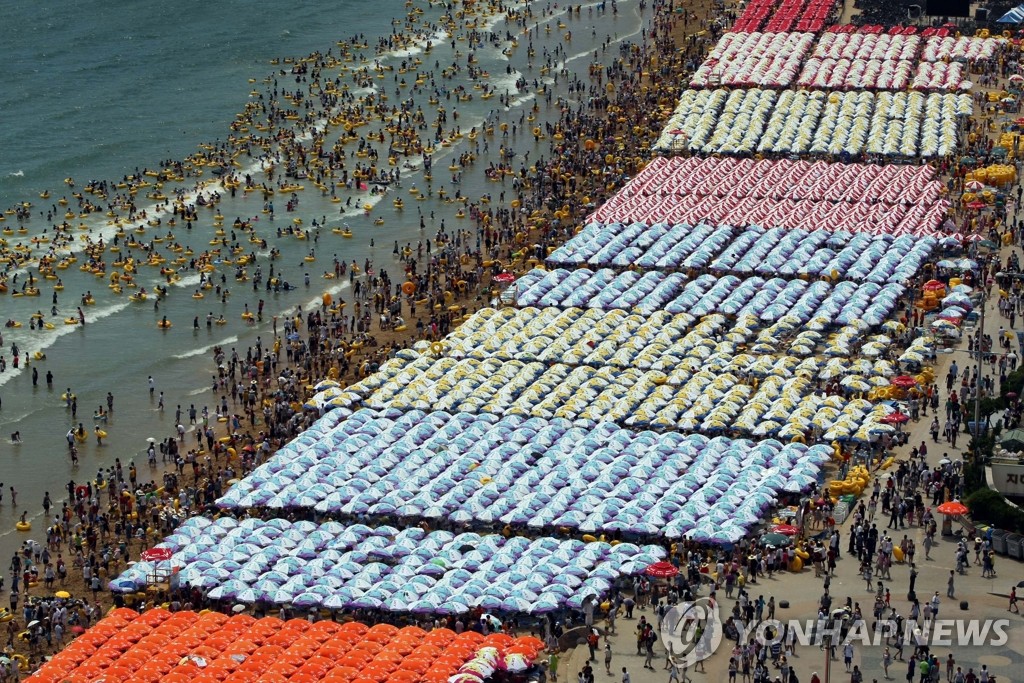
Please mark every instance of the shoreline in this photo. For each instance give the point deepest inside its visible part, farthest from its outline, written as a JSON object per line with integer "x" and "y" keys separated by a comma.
{"x": 449, "y": 312}
{"x": 440, "y": 280}
{"x": 505, "y": 226}
{"x": 437, "y": 297}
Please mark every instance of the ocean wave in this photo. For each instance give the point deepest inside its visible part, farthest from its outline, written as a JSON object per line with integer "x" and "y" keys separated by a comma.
{"x": 31, "y": 341}
{"x": 316, "y": 301}
{"x": 192, "y": 353}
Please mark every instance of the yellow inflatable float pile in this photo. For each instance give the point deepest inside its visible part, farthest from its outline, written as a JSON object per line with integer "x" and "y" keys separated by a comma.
{"x": 999, "y": 175}
{"x": 855, "y": 483}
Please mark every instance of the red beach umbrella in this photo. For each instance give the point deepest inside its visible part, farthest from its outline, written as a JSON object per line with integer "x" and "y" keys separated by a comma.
{"x": 504, "y": 278}
{"x": 661, "y": 570}
{"x": 903, "y": 381}
{"x": 896, "y": 418}
{"x": 952, "y": 508}
{"x": 786, "y": 530}
{"x": 157, "y": 554}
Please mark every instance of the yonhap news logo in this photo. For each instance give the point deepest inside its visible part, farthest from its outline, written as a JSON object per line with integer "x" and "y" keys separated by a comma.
{"x": 882, "y": 633}
{"x": 691, "y": 631}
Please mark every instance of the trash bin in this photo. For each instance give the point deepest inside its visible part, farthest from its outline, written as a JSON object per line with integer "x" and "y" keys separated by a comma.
{"x": 999, "y": 541}
{"x": 1015, "y": 545}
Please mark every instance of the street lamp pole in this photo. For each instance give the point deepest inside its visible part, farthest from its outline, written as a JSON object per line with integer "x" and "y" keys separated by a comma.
{"x": 828, "y": 660}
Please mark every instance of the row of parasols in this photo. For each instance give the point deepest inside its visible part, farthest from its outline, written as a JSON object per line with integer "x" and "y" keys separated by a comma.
{"x": 186, "y": 647}
{"x": 332, "y": 566}
{"x": 477, "y": 470}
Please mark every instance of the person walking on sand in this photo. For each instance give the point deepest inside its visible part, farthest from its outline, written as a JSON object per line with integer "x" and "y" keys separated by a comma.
{"x": 1013, "y": 601}
{"x": 608, "y": 658}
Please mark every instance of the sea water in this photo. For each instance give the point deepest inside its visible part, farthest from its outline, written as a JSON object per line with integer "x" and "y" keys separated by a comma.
{"x": 101, "y": 89}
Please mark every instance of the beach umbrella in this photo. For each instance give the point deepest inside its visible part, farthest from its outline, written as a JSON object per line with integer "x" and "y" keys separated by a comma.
{"x": 775, "y": 539}
{"x": 488, "y": 602}
{"x": 307, "y": 599}
{"x": 786, "y": 530}
{"x": 517, "y": 604}
{"x": 943, "y": 324}
{"x": 156, "y": 554}
{"x": 903, "y": 381}
{"x": 366, "y": 602}
{"x": 547, "y": 602}
{"x": 895, "y": 418}
{"x": 504, "y": 278}
{"x": 577, "y": 601}
{"x": 1013, "y": 440}
{"x": 661, "y": 570}
{"x": 952, "y": 508}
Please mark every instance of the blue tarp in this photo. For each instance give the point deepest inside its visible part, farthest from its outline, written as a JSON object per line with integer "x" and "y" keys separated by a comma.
{"x": 1014, "y": 16}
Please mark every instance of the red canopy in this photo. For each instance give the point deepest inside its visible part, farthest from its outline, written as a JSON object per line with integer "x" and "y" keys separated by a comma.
{"x": 157, "y": 554}
{"x": 896, "y": 418}
{"x": 661, "y": 570}
{"x": 953, "y": 507}
{"x": 504, "y": 278}
{"x": 903, "y": 381}
{"x": 934, "y": 284}
{"x": 786, "y": 530}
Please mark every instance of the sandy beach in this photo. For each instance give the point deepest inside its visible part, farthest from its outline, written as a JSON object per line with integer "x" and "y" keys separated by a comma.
{"x": 371, "y": 312}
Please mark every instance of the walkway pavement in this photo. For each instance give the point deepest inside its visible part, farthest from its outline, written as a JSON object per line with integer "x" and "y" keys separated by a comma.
{"x": 987, "y": 598}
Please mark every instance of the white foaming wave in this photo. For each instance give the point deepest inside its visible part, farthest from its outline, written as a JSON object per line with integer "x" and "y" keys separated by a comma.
{"x": 16, "y": 419}
{"x": 16, "y": 174}
{"x": 521, "y": 100}
{"x": 31, "y": 341}
{"x": 316, "y": 301}
{"x": 359, "y": 202}
{"x": 571, "y": 58}
{"x": 487, "y": 23}
{"x": 189, "y": 280}
{"x": 192, "y": 353}
{"x": 418, "y": 46}
{"x": 504, "y": 82}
